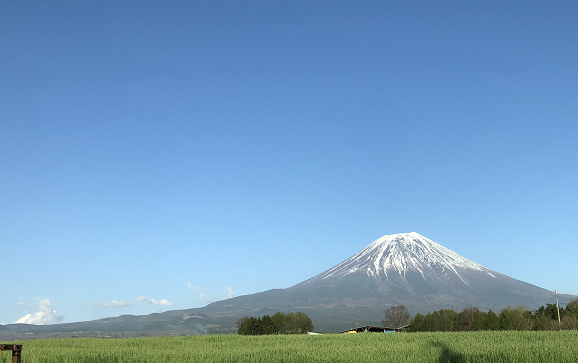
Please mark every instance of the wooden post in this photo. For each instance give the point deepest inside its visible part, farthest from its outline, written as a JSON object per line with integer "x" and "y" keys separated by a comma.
{"x": 16, "y": 351}
{"x": 17, "y": 355}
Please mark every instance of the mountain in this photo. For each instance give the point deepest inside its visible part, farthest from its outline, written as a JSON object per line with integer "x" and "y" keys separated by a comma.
{"x": 415, "y": 271}
{"x": 405, "y": 268}
{"x": 402, "y": 254}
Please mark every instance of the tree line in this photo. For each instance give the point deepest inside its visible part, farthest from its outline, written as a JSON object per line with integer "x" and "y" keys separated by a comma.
{"x": 519, "y": 318}
{"x": 278, "y": 323}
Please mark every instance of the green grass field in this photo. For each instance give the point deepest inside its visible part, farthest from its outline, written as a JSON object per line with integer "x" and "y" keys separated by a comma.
{"x": 485, "y": 346}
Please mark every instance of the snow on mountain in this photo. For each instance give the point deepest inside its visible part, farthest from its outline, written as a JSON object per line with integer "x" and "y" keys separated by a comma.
{"x": 405, "y": 268}
{"x": 400, "y": 253}
{"x": 417, "y": 272}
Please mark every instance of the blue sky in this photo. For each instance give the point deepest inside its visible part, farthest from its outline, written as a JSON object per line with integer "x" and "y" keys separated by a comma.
{"x": 160, "y": 156}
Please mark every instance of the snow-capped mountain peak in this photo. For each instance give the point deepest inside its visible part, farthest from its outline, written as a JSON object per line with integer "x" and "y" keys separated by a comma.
{"x": 400, "y": 253}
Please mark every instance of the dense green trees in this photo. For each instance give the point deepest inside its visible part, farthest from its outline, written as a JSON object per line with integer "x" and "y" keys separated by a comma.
{"x": 442, "y": 320}
{"x": 519, "y": 318}
{"x": 491, "y": 321}
{"x": 572, "y": 307}
{"x": 515, "y": 319}
{"x": 467, "y": 316}
{"x": 279, "y": 323}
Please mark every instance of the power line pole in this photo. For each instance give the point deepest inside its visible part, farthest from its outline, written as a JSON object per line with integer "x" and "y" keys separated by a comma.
{"x": 557, "y": 306}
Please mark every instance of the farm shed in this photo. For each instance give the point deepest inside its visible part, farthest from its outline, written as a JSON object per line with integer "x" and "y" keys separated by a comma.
{"x": 373, "y": 329}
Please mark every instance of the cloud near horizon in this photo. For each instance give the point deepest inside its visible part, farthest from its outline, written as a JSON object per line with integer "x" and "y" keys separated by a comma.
{"x": 44, "y": 316}
{"x": 112, "y": 304}
{"x": 208, "y": 298}
{"x": 230, "y": 292}
{"x": 146, "y": 300}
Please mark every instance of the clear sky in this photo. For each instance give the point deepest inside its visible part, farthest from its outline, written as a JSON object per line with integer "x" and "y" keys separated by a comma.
{"x": 162, "y": 155}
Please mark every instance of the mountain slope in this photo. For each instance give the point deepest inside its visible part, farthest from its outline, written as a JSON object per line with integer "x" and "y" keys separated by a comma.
{"x": 415, "y": 271}
{"x": 406, "y": 269}
{"x": 400, "y": 254}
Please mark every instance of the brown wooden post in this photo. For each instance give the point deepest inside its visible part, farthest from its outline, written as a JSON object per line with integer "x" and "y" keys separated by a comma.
{"x": 17, "y": 355}
{"x": 16, "y": 351}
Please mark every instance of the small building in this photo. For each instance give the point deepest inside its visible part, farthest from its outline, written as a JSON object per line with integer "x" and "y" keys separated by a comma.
{"x": 375, "y": 329}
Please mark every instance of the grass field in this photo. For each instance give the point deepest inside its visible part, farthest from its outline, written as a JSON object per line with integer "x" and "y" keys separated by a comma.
{"x": 485, "y": 346}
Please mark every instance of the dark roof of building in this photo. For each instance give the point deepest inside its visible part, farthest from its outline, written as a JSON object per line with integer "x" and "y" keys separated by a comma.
{"x": 374, "y": 329}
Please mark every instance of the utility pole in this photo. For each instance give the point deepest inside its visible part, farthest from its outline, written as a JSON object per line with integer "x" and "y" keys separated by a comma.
{"x": 557, "y": 306}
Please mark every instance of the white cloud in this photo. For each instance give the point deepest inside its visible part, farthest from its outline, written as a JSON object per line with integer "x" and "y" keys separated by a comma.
{"x": 112, "y": 304}
{"x": 21, "y": 303}
{"x": 206, "y": 298}
{"x": 230, "y": 292}
{"x": 146, "y": 300}
{"x": 44, "y": 316}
